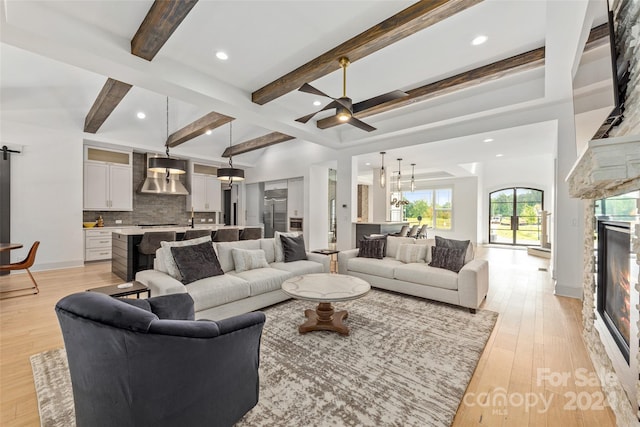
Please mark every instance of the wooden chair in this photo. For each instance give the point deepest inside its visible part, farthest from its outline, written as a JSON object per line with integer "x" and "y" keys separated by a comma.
{"x": 23, "y": 265}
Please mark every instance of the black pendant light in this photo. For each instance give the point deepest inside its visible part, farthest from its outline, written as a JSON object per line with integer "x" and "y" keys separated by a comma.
{"x": 230, "y": 174}
{"x": 167, "y": 164}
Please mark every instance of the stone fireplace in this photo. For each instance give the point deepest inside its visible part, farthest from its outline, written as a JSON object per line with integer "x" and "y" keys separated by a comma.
{"x": 611, "y": 167}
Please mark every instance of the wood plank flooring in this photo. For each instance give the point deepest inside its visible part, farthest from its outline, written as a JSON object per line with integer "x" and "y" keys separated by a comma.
{"x": 535, "y": 331}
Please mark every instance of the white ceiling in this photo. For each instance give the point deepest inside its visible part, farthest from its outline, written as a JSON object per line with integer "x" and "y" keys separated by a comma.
{"x": 56, "y": 55}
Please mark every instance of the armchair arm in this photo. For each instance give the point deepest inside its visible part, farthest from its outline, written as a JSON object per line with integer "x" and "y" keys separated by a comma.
{"x": 343, "y": 259}
{"x": 473, "y": 283}
{"x": 185, "y": 328}
{"x": 241, "y": 321}
{"x": 320, "y": 259}
{"x": 160, "y": 283}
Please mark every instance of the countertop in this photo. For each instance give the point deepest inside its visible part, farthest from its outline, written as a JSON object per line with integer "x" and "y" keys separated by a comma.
{"x": 134, "y": 231}
{"x": 384, "y": 223}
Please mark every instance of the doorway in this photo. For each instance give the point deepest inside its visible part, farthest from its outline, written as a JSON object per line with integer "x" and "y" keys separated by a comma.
{"x": 514, "y": 216}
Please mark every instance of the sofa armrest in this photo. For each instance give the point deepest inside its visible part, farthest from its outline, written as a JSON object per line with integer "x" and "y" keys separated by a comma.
{"x": 473, "y": 283}
{"x": 343, "y": 259}
{"x": 160, "y": 283}
{"x": 320, "y": 259}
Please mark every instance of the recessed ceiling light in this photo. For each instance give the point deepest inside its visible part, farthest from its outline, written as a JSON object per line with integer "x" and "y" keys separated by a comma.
{"x": 488, "y": 140}
{"x": 208, "y": 132}
{"x": 141, "y": 115}
{"x": 479, "y": 40}
{"x": 499, "y": 155}
{"x": 222, "y": 55}
{"x": 367, "y": 164}
{"x": 316, "y": 103}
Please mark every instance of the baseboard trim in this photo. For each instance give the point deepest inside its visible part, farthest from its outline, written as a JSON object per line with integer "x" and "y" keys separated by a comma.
{"x": 568, "y": 291}
{"x": 57, "y": 265}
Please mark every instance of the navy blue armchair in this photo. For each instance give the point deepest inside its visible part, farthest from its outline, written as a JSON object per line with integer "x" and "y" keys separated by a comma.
{"x": 148, "y": 363}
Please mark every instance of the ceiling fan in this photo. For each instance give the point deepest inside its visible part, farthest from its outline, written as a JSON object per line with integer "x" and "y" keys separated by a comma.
{"x": 345, "y": 108}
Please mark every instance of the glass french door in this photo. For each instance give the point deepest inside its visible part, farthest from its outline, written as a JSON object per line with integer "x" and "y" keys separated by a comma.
{"x": 514, "y": 216}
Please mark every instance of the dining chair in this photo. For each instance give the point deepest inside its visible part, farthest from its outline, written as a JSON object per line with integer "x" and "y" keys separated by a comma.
{"x": 150, "y": 243}
{"x": 25, "y": 264}
{"x": 195, "y": 233}
{"x": 227, "y": 235}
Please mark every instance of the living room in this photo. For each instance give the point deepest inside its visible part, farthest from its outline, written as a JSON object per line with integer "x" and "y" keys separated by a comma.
{"x": 530, "y": 114}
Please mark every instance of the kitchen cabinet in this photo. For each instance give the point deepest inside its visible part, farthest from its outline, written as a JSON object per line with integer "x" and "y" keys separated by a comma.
{"x": 97, "y": 245}
{"x": 296, "y": 197}
{"x": 108, "y": 180}
{"x": 205, "y": 193}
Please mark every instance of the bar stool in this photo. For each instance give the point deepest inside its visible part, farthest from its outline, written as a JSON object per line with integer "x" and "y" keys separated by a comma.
{"x": 403, "y": 231}
{"x": 227, "y": 235}
{"x": 413, "y": 232}
{"x": 251, "y": 233}
{"x": 194, "y": 234}
{"x": 150, "y": 243}
{"x": 25, "y": 264}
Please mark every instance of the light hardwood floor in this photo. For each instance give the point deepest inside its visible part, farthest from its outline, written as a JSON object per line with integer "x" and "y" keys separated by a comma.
{"x": 535, "y": 331}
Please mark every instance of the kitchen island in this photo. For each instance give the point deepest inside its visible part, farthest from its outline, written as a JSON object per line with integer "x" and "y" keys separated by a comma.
{"x": 385, "y": 227}
{"x": 125, "y": 259}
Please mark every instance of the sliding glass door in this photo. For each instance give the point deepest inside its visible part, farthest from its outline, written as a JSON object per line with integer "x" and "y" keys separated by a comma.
{"x": 514, "y": 216}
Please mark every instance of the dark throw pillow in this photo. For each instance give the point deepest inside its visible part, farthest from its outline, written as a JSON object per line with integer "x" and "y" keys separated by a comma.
{"x": 293, "y": 248}
{"x": 451, "y": 259}
{"x": 373, "y": 248}
{"x": 382, "y": 237}
{"x": 196, "y": 262}
{"x": 457, "y": 244}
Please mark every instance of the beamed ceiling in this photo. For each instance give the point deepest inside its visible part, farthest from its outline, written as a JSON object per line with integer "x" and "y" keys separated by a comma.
{"x": 94, "y": 65}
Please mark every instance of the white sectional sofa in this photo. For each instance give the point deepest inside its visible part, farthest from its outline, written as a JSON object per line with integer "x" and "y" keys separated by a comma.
{"x": 233, "y": 293}
{"x": 467, "y": 288}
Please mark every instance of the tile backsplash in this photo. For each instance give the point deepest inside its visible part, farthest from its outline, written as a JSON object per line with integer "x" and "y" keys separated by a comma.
{"x": 150, "y": 208}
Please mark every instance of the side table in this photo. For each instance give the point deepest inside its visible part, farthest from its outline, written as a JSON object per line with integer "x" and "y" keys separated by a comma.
{"x": 113, "y": 290}
{"x": 330, "y": 252}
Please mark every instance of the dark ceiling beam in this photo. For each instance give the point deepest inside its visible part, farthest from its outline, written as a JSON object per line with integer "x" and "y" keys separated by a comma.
{"x": 108, "y": 99}
{"x": 197, "y": 128}
{"x": 525, "y": 61}
{"x": 257, "y": 143}
{"x": 409, "y": 21}
{"x": 161, "y": 21}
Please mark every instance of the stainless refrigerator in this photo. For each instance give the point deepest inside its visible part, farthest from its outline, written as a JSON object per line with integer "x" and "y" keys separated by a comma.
{"x": 275, "y": 212}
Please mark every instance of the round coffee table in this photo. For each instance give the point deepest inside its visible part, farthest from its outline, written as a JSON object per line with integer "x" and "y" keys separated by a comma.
{"x": 325, "y": 288}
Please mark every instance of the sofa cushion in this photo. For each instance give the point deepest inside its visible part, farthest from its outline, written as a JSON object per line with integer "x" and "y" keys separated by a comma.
{"x": 262, "y": 280}
{"x": 393, "y": 243}
{"x": 279, "y": 253}
{"x": 268, "y": 246}
{"x": 196, "y": 262}
{"x": 451, "y": 259}
{"x": 422, "y": 274}
{"x": 376, "y": 267}
{"x": 225, "y": 254}
{"x": 293, "y": 248}
{"x": 217, "y": 290}
{"x": 166, "y": 262}
{"x": 299, "y": 267}
{"x": 457, "y": 244}
{"x": 409, "y": 252}
{"x": 248, "y": 259}
{"x": 371, "y": 248}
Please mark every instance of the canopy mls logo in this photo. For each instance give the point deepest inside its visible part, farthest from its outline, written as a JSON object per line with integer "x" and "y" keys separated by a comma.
{"x": 500, "y": 400}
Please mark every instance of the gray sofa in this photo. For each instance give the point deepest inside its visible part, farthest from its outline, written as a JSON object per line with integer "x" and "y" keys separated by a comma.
{"x": 232, "y": 293}
{"x": 467, "y": 288}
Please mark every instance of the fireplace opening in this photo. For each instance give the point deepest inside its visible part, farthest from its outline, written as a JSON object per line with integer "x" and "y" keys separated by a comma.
{"x": 614, "y": 281}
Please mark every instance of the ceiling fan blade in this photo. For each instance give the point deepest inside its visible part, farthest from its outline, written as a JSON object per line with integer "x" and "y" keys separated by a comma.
{"x": 360, "y": 124}
{"x": 376, "y": 100}
{"x": 307, "y": 88}
{"x": 305, "y": 119}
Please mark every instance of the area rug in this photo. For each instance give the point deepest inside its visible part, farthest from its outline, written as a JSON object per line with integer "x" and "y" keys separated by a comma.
{"x": 406, "y": 362}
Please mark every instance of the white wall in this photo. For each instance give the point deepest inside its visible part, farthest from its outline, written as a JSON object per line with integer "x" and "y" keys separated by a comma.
{"x": 531, "y": 172}
{"x": 46, "y": 194}
{"x": 252, "y": 202}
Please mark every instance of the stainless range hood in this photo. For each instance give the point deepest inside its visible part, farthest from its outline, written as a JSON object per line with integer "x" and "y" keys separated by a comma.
{"x": 157, "y": 183}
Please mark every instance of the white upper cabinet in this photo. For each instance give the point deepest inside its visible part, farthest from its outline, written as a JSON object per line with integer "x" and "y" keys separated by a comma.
{"x": 108, "y": 180}
{"x": 295, "y": 197}
{"x": 205, "y": 194}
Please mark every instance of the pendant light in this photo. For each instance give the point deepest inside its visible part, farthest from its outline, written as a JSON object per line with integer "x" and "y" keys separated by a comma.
{"x": 413, "y": 178}
{"x": 399, "y": 176}
{"x": 383, "y": 173}
{"x": 230, "y": 174}
{"x": 167, "y": 164}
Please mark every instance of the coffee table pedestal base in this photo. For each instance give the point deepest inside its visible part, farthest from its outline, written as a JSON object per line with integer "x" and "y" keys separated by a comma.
{"x": 324, "y": 318}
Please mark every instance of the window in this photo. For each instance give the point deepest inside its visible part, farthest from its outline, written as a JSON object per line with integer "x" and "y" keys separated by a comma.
{"x": 435, "y": 206}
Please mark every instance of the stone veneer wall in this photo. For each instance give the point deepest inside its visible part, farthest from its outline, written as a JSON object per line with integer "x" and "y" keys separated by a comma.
{"x": 627, "y": 18}
{"x": 150, "y": 208}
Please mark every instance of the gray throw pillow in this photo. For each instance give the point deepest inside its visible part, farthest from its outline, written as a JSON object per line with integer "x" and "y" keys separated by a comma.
{"x": 196, "y": 262}
{"x": 457, "y": 244}
{"x": 382, "y": 237}
{"x": 293, "y": 248}
{"x": 450, "y": 259}
{"x": 371, "y": 248}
